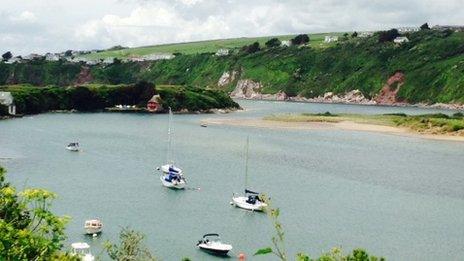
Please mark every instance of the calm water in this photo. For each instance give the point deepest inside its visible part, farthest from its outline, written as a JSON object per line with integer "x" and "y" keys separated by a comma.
{"x": 399, "y": 197}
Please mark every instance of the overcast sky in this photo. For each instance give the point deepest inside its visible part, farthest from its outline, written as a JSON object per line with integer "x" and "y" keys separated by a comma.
{"x": 42, "y": 26}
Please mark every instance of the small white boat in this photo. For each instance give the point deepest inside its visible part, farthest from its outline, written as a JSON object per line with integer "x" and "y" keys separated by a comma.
{"x": 82, "y": 250}
{"x": 212, "y": 244}
{"x": 93, "y": 226}
{"x": 171, "y": 175}
{"x": 73, "y": 146}
{"x": 251, "y": 201}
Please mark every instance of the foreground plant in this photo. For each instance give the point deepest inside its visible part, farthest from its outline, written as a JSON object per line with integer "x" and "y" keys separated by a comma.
{"x": 28, "y": 229}
{"x": 130, "y": 247}
{"x": 278, "y": 244}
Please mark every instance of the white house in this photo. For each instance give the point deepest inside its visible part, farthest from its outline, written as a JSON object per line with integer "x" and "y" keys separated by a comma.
{"x": 365, "y": 34}
{"x": 330, "y": 38}
{"x": 408, "y": 29}
{"x": 7, "y": 99}
{"x": 157, "y": 56}
{"x": 401, "y": 39}
{"x": 52, "y": 57}
{"x": 16, "y": 59}
{"x": 222, "y": 52}
{"x": 286, "y": 43}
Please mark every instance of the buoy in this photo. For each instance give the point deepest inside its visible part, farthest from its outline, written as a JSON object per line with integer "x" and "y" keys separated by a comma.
{"x": 94, "y": 235}
{"x": 241, "y": 256}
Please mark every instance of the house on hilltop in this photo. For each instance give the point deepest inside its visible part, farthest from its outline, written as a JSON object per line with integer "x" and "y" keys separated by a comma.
{"x": 286, "y": 43}
{"x": 222, "y": 52}
{"x": 408, "y": 29}
{"x": 330, "y": 38}
{"x": 7, "y": 99}
{"x": 401, "y": 39}
{"x": 154, "y": 104}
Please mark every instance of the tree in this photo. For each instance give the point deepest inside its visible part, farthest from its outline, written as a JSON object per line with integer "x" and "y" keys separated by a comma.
{"x": 7, "y": 56}
{"x": 68, "y": 53}
{"x": 300, "y": 39}
{"x": 273, "y": 42}
{"x": 354, "y": 34}
{"x": 28, "y": 229}
{"x": 143, "y": 91}
{"x": 388, "y": 36}
{"x": 252, "y": 48}
{"x": 83, "y": 99}
{"x": 425, "y": 27}
{"x": 130, "y": 247}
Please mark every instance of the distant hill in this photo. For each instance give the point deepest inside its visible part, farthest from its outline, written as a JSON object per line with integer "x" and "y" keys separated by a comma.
{"x": 428, "y": 68}
{"x": 211, "y": 46}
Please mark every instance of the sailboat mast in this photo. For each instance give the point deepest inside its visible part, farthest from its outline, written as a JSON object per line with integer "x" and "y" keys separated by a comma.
{"x": 246, "y": 162}
{"x": 168, "y": 154}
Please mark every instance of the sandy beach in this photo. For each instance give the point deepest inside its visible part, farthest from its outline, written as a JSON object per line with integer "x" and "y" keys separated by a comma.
{"x": 344, "y": 125}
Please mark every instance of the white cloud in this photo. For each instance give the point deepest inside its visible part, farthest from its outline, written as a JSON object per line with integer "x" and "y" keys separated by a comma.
{"x": 90, "y": 24}
{"x": 25, "y": 16}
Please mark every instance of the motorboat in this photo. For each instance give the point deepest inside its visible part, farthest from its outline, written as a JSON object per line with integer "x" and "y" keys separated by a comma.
{"x": 82, "y": 251}
{"x": 93, "y": 226}
{"x": 73, "y": 146}
{"x": 211, "y": 243}
{"x": 171, "y": 175}
{"x": 251, "y": 200}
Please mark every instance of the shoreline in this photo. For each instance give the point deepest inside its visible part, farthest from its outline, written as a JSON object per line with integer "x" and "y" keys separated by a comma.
{"x": 438, "y": 106}
{"x": 343, "y": 125}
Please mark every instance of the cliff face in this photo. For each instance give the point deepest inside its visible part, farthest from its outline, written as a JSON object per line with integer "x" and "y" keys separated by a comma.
{"x": 389, "y": 92}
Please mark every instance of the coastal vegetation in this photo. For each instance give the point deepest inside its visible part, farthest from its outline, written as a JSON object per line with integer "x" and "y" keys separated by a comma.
{"x": 93, "y": 97}
{"x": 431, "y": 66}
{"x": 426, "y": 123}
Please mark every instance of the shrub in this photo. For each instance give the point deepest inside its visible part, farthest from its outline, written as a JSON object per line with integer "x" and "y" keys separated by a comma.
{"x": 273, "y": 42}
{"x": 300, "y": 39}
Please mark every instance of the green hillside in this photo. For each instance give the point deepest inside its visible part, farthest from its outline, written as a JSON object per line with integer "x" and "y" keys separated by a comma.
{"x": 432, "y": 65}
{"x": 317, "y": 41}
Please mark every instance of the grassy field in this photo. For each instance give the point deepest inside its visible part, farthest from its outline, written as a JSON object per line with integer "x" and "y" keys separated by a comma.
{"x": 427, "y": 123}
{"x": 316, "y": 41}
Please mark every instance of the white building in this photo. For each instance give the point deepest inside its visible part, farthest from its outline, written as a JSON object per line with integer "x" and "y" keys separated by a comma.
{"x": 7, "y": 99}
{"x": 365, "y": 34}
{"x": 401, "y": 39}
{"x": 31, "y": 57}
{"x": 157, "y": 56}
{"x": 52, "y": 57}
{"x": 16, "y": 59}
{"x": 222, "y": 52}
{"x": 286, "y": 43}
{"x": 408, "y": 29}
{"x": 330, "y": 38}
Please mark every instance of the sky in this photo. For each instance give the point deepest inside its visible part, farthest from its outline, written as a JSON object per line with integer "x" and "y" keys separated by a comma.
{"x": 41, "y": 26}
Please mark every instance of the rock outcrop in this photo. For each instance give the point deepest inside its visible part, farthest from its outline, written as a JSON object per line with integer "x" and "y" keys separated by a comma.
{"x": 389, "y": 91}
{"x": 84, "y": 76}
{"x": 227, "y": 78}
{"x": 247, "y": 89}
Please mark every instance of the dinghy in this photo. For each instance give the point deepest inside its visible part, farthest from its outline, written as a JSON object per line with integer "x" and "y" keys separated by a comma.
{"x": 211, "y": 243}
{"x": 93, "y": 226}
{"x": 82, "y": 251}
{"x": 73, "y": 146}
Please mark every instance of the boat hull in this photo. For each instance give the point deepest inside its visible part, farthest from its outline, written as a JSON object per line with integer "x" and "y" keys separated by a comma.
{"x": 214, "y": 251}
{"x": 74, "y": 149}
{"x": 240, "y": 202}
{"x": 173, "y": 185}
{"x": 92, "y": 230}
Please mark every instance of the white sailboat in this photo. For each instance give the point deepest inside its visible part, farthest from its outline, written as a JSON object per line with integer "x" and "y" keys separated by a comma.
{"x": 251, "y": 200}
{"x": 81, "y": 250}
{"x": 171, "y": 175}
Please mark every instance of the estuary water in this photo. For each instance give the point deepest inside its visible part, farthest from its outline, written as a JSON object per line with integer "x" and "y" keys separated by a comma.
{"x": 398, "y": 197}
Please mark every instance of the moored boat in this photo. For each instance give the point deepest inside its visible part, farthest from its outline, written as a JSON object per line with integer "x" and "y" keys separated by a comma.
{"x": 93, "y": 226}
{"x": 82, "y": 251}
{"x": 211, "y": 243}
{"x": 73, "y": 146}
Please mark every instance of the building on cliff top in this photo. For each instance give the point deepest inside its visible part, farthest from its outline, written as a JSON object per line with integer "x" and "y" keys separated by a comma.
{"x": 7, "y": 99}
{"x": 401, "y": 39}
{"x": 154, "y": 104}
{"x": 330, "y": 38}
